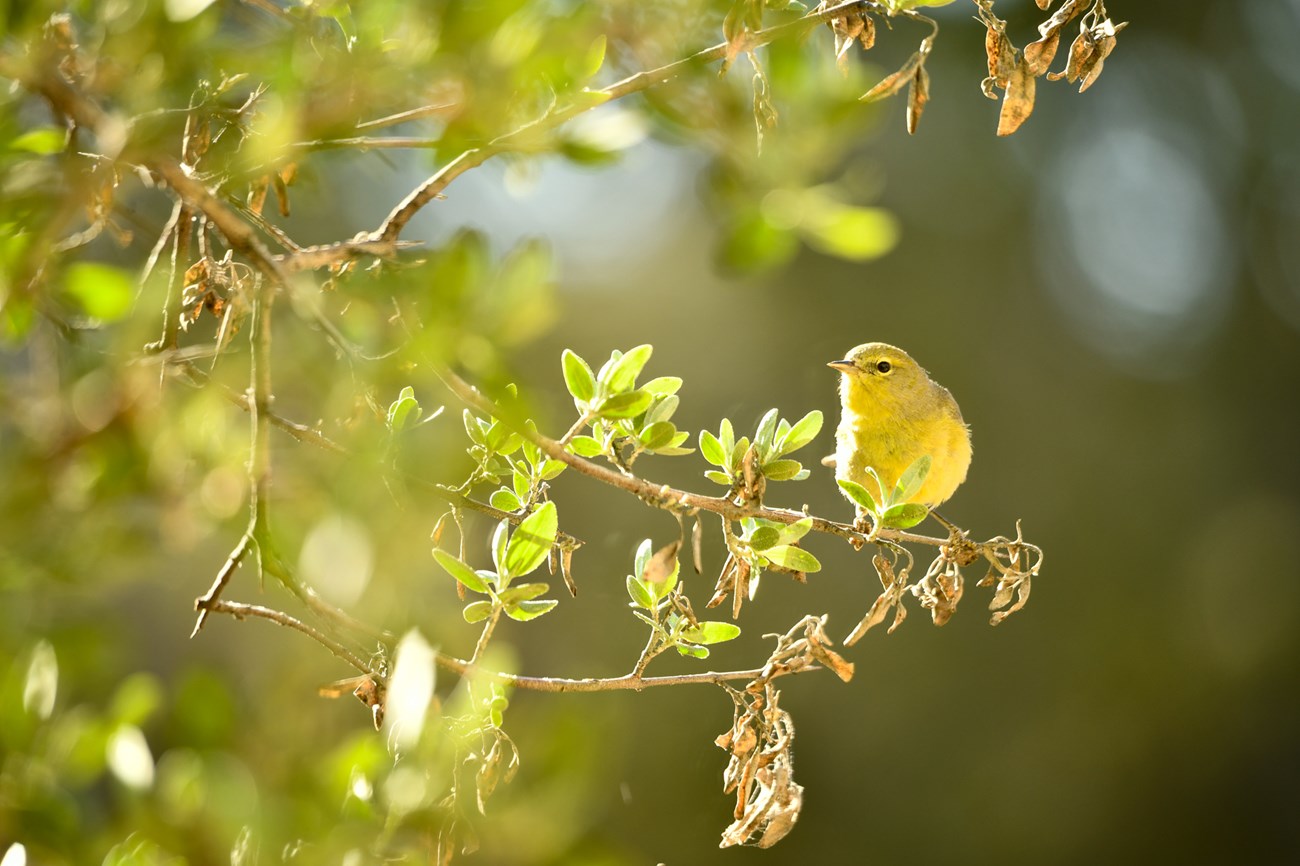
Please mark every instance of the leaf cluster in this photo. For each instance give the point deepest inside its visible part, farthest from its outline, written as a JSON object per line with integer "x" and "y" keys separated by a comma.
{"x": 514, "y": 555}
{"x": 893, "y": 511}
{"x": 740, "y": 462}
{"x": 625, "y": 420}
{"x": 657, "y": 601}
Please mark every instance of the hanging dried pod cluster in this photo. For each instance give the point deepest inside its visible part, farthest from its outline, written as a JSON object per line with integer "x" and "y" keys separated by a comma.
{"x": 761, "y": 769}
{"x": 1015, "y": 72}
{"x": 1011, "y": 70}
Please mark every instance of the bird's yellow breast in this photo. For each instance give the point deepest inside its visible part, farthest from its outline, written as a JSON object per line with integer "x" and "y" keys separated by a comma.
{"x": 891, "y": 430}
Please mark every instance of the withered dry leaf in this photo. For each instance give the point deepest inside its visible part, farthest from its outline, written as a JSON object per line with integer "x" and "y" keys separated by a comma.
{"x": 744, "y": 17}
{"x": 367, "y": 689}
{"x": 257, "y": 189}
{"x": 659, "y": 566}
{"x": 867, "y": 38}
{"x": 893, "y": 83}
{"x": 1043, "y": 4}
{"x": 918, "y": 95}
{"x": 697, "y": 546}
{"x": 1069, "y": 10}
{"x": 1103, "y": 37}
{"x": 1039, "y": 55}
{"x": 566, "y": 570}
{"x": 1000, "y": 53}
{"x": 1018, "y": 101}
{"x": 760, "y": 771}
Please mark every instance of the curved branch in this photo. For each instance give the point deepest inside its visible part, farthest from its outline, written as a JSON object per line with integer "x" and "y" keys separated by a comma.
{"x": 662, "y": 495}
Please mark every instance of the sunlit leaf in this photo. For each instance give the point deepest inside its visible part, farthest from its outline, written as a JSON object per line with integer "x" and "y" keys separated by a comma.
{"x": 793, "y": 558}
{"x": 858, "y": 494}
{"x": 578, "y": 377}
{"x": 629, "y": 404}
{"x": 904, "y": 515}
{"x": 505, "y": 499}
{"x": 640, "y": 593}
{"x": 912, "y": 478}
{"x": 712, "y": 632}
{"x": 803, "y": 432}
{"x": 476, "y": 611}
{"x": 460, "y": 571}
{"x": 526, "y": 610}
{"x": 622, "y": 375}
{"x": 531, "y": 541}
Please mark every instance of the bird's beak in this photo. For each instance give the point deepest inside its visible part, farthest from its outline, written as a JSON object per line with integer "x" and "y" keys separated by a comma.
{"x": 844, "y": 366}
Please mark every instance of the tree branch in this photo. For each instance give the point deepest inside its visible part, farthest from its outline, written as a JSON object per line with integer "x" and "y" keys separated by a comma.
{"x": 463, "y": 667}
{"x": 662, "y": 495}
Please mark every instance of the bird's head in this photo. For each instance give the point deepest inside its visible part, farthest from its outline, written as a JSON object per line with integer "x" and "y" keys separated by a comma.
{"x": 880, "y": 372}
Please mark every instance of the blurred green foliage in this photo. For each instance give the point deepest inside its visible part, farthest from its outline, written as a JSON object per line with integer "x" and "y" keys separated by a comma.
{"x": 1135, "y": 722}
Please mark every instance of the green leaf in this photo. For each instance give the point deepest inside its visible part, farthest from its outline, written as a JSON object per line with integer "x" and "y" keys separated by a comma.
{"x": 766, "y": 431}
{"x": 506, "y": 500}
{"x": 663, "y": 385}
{"x": 801, "y": 433}
{"x": 459, "y": 570}
{"x": 662, "y": 409}
{"x": 477, "y": 611}
{"x": 905, "y": 515}
{"x": 711, "y": 449}
{"x": 472, "y": 428}
{"x": 584, "y": 446}
{"x": 718, "y": 477}
{"x": 643, "y": 553}
{"x": 497, "y": 435}
{"x": 858, "y": 494}
{"x": 646, "y": 619}
{"x": 523, "y": 592}
{"x": 738, "y": 454}
{"x": 712, "y": 632}
{"x": 628, "y": 404}
{"x": 764, "y": 537}
{"x": 104, "y": 292}
{"x": 552, "y": 468}
{"x": 912, "y": 479}
{"x": 726, "y": 437}
{"x": 526, "y": 610}
{"x": 499, "y": 540}
{"x": 640, "y": 593}
{"x": 657, "y": 435}
{"x": 622, "y": 375}
{"x": 590, "y": 62}
{"x": 531, "y": 542}
{"x": 796, "y": 530}
{"x": 44, "y": 140}
{"x": 399, "y": 411}
{"x": 578, "y": 377}
{"x": 782, "y": 470}
{"x": 687, "y": 649}
{"x": 793, "y": 558}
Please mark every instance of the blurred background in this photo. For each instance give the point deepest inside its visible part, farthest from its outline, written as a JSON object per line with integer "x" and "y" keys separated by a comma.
{"x": 1112, "y": 294}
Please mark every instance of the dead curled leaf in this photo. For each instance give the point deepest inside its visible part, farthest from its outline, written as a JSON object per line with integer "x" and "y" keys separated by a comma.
{"x": 1018, "y": 101}
{"x": 760, "y": 771}
{"x": 893, "y": 83}
{"x": 918, "y": 95}
{"x": 1039, "y": 54}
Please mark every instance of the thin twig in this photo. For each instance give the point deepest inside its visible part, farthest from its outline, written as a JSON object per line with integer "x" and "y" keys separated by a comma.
{"x": 205, "y": 602}
{"x": 239, "y": 611}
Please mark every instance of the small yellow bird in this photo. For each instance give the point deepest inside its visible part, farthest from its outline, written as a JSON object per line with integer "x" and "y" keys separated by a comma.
{"x": 894, "y": 414}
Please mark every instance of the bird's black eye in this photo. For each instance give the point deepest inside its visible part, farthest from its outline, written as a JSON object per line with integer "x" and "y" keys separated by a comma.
{"x": 884, "y": 366}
